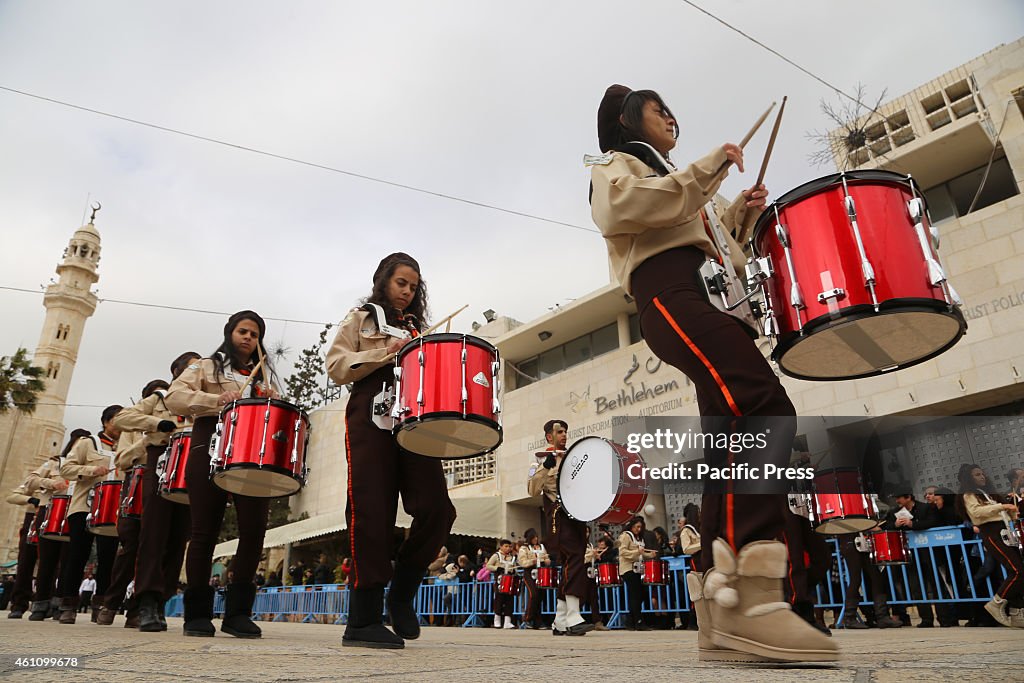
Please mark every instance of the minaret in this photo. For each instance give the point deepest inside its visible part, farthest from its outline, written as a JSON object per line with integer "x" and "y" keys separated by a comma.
{"x": 26, "y": 439}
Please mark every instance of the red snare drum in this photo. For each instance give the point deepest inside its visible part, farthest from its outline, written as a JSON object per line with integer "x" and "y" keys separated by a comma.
{"x": 594, "y": 482}
{"x": 547, "y": 577}
{"x": 259, "y": 448}
{"x": 446, "y": 388}
{"x": 170, "y": 468}
{"x": 656, "y": 572}
{"x": 131, "y": 506}
{"x": 840, "y": 504}
{"x": 889, "y": 547}
{"x": 55, "y": 526}
{"x": 608, "y": 574}
{"x": 828, "y": 322}
{"x": 104, "y": 502}
{"x": 32, "y": 537}
{"x": 509, "y": 583}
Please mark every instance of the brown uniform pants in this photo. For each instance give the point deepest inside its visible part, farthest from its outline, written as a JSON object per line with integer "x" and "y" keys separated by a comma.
{"x": 164, "y": 534}
{"x": 378, "y": 471}
{"x": 207, "y": 503}
{"x": 736, "y": 389}
{"x": 27, "y": 553}
{"x": 50, "y": 555}
{"x": 860, "y": 565}
{"x": 569, "y": 540}
{"x": 1012, "y": 588}
{"x": 79, "y": 550}
{"x": 809, "y": 559}
{"x": 124, "y": 564}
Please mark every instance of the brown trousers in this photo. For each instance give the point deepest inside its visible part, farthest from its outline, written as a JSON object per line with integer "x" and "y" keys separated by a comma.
{"x": 207, "y": 503}
{"x": 124, "y": 564}
{"x": 569, "y": 540}
{"x": 736, "y": 391}
{"x": 164, "y": 534}
{"x": 809, "y": 559}
{"x": 378, "y": 472}
{"x": 50, "y": 556}
{"x": 27, "y": 553}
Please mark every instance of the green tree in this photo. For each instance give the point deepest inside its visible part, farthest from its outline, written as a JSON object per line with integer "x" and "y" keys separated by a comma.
{"x": 307, "y": 387}
{"x": 20, "y": 385}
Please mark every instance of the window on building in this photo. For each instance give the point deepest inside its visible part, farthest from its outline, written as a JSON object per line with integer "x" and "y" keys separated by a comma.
{"x": 953, "y": 198}
{"x": 469, "y": 470}
{"x": 635, "y": 335}
{"x": 67, "y": 328}
{"x": 574, "y": 352}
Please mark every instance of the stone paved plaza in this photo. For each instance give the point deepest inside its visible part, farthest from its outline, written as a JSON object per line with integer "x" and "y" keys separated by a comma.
{"x": 313, "y": 652}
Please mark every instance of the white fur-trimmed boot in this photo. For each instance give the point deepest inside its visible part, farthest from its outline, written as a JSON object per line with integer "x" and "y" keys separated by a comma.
{"x": 707, "y": 651}
{"x": 748, "y": 610}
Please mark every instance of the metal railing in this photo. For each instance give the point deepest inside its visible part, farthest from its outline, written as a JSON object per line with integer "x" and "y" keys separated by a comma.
{"x": 942, "y": 571}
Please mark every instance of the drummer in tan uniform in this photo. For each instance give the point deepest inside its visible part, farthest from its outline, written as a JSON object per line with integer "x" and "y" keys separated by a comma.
{"x": 91, "y": 460}
{"x": 568, "y": 537}
{"x": 202, "y": 390}
{"x": 532, "y": 555}
{"x": 165, "y": 524}
{"x": 28, "y": 498}
{"x": 47, "y": 482}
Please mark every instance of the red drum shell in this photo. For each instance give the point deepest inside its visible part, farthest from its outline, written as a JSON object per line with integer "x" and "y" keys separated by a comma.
{"x": 104, "y": 505}
{"x": 55, "y": 525}
{"x": 608, "y": 574}
{"x": 509, "y": 583}
{"x": 131, "y": 506}
{"x": 840, "y": 504}
{"x": 247, "y": 427}
{"x": 587, "y": 499}
{"x": 656, "y": 572}
{"x": 847, "y": 338}
{"x": 444, "y": 427}
{"x": 547, "y": 577}
{"x": 889, "y": 548}
{"x": 171, "y": 468}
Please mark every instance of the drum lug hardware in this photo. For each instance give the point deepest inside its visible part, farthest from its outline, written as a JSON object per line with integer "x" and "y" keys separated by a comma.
{"x": 396, "y": 408}
{"x": 295, "y": 441}
{"x": 796, "y": 299}
{"x": 266, "y": 424}
{"x": 465, "y": 394}
{"x": 936, "y": 275}
{"x": 865, "y": 265}
{"x": 759, "y": 270}
{"x": 419, "y": 391}
{"x": 837, "y": 293}
{"x": 495, "y": 386}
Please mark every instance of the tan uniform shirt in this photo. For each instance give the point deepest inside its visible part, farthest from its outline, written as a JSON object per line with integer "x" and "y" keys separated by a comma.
{"x": 131, "y": 451}
{"x": 20, "y": 496}
{"x": 642, "y": 214}
{"x": 358, "y": 349}
{"x": 146, "y": 415}
{"x": 544, "y": 481}
{"x": 45, "y": 479}
{"x": 631, "y": 550}
{"x": 689, "y": 540}
{"x": 81, "y": 465}
{"x": 983, "y": 512}
{"x": 528, "y": 556}
{"x": 197, "y": 390}
{"x": 505, "y": 562}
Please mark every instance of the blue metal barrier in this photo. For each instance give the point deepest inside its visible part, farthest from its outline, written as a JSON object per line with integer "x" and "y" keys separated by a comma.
{"x": 941, "y": 572}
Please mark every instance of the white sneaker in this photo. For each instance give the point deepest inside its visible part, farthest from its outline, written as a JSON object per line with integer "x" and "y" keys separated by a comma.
{"x": 497, "y": 621}
{"x": 998, "y": 608}
{"x": 509, "y": 624}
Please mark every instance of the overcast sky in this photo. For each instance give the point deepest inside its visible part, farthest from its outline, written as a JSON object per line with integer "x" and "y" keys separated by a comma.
{"x": 492, "y": 103}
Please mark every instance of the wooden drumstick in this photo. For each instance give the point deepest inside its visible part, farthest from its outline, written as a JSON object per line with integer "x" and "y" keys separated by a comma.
{"x": 266, "y": 367}
{"x": 746, "y": 138}
{"x": 442, "y": 321}
{"x": 251, "y": 375}
{"x": 771, "y": 144}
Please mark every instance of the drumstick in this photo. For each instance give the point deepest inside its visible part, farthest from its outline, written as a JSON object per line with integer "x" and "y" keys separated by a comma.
{"x": 771, "y": 144}
{"x": 437, "y": 325}
{"x": 249, "y": 378}
{"x": 259, "y": 352}
{"x": 746, "y": 138}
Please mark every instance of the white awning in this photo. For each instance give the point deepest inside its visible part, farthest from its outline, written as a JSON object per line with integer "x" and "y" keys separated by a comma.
{"x": 476, "y": 517}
